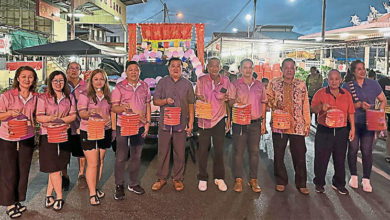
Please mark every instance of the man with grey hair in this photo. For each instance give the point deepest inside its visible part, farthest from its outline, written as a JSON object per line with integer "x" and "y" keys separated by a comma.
{"x": 213, "y": 88}
{"x": 332, "y": 139}
{"x": 248, "y": 91}
{"x": 289, "y": 95}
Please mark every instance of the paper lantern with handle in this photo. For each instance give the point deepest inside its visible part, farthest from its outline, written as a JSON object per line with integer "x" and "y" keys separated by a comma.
{"x": 335, "y": 118}
{"x": 129, "y": 124}
{"x": 172, "y": 116}
{"x": 17, "y": 128}
{"x": 376, "y": 120}
{"x": 241, "y": 114}
{"x": 203, "y": 110}
{"x": 281, "y": 120}
{"x": 95, "y": 129}
{"x": 57, "y": 133}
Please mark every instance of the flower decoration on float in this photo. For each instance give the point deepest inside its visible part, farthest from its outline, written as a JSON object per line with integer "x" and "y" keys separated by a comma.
{"x": 188, "y": 57}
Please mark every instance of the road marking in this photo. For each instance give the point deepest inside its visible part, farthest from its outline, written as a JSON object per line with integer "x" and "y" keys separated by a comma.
{"x": 377, "y": 170}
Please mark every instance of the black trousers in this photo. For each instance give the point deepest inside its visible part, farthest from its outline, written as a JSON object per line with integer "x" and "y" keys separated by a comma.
{"x": 330, "y": 142}
{"x": 14, "y": 170}
{"x": 218, "y": 134}
{"x": 298, "y": 154}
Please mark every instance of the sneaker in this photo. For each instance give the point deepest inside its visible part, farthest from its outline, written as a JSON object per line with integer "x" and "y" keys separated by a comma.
{"x": 341, "y": 189}
{"x": 221, "y": 184}
{"x": 387, "y": 159}
{"x": 136, "y": 189}
{"x": 202, "y": 186}
{"x": 65, "y": 183}
{"x": 366, "y": 185}
{"x": 320, "y": 189}
{"x": 238, "y": 185}
{"x": 353, "y": 182}
{"x": 119, "y": 193}
{"x": 82, "y": 182}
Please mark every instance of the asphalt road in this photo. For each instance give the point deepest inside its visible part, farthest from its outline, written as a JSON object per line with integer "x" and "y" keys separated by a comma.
{"x": 212, "y": 204}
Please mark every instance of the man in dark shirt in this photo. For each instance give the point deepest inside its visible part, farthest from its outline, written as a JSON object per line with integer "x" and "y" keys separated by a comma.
{"x": 173, "y": 91}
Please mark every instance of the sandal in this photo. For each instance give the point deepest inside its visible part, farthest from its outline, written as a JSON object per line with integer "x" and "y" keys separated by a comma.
{"x": 58, "y": 204}
{"x": 13, "y": 212}
{"x": 49, "y": 204}
{"x": 97, "y": 200}
{"x": 20, "y": 207}
{"x": 100, "y": 194}
{"x": 387, "y": 159}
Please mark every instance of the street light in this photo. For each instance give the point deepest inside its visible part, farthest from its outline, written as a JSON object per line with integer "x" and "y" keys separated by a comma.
{"x": 235, "y": 30}
{"x": 248, "y": 17}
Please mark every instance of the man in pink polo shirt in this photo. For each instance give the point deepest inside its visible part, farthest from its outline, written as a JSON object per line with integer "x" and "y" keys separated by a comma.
{"x": 247, "y": 90}
{"x": 213, "y": 88}
{"x": 77, "y": 86}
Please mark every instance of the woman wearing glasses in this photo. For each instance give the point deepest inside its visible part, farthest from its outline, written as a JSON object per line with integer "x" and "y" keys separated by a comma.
{"x": 95, "y": 105}
{"x": 56, "y": 106}
{"x": 16, "y": 150}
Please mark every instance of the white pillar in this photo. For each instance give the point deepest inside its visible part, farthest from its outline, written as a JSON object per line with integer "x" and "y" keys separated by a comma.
{"x": 367, "y": 56}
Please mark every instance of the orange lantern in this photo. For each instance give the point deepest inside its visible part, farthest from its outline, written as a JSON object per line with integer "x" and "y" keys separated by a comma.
{"x": 95, "y": 129}
{"x": 281, "y": 120}
{"x": 129, "y": 124}
{"x": 203, "y": 110}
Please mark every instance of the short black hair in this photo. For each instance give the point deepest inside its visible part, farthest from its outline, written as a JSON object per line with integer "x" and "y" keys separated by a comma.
{"x": 288, "y": 60}
{"x": 173, "y": 59}
{"x": 313, "y": 68}
{"x": 132, "y": 62}
{"x": 225, "y": 68}
{"x": 264, "y": 80}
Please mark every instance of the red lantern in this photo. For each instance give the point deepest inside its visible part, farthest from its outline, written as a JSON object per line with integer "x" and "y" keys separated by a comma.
{"x": 17, "y": 128}
{"x": 57, "y": 133}
{"x": 376, "y": 120}
{"x": 172, "y": 116}
{"x": 241, "y": 114}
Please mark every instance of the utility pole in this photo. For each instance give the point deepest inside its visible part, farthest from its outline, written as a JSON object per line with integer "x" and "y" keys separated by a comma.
{"x": 72, "y": 21}
{"x": 254, "y": 19}
{"x": 165, "y": 12}
{"x": 323, "y": 20}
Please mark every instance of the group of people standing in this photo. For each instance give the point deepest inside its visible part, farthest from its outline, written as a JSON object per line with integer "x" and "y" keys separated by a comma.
{"x": 71, "y": 101}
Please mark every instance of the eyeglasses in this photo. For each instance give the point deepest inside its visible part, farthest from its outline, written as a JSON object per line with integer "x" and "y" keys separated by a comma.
{"x": 58, "y": 81}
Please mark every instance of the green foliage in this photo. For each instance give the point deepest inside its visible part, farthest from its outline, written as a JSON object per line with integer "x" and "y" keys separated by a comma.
{"x": 301, "y": 74}
{"x": 325, "y": 69}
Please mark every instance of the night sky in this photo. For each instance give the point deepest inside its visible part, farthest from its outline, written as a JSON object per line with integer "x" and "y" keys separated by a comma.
{"x": 305, "y": 15}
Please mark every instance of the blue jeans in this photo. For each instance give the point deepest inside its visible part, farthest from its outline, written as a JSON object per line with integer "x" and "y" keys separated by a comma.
{"x": 363, "y": 141}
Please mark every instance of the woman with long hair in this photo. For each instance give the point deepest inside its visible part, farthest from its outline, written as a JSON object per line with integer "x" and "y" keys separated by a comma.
{"x": 95, "y": 105}
{"x": 16, "y": 150}
{"x": 55, "y": 107}
{"x": 364, "y": 93}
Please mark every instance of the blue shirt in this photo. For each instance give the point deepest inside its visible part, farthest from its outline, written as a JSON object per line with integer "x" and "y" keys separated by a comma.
{"x": 367, "y": 93}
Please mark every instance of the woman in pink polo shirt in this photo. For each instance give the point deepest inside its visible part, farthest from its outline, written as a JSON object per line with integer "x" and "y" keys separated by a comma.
{"x": 16, "y": 151}
{"x": 95, "y": 104}
{"x": 56, "y": 106}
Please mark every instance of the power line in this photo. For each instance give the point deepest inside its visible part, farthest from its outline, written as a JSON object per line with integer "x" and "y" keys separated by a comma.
{"x": 151, "y": 16}
{"x": 235, "y": 17}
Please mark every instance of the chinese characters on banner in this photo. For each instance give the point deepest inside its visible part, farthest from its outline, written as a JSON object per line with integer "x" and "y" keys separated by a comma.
{"x": 199, "y": 28}
{"x": 132, "y": 30}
